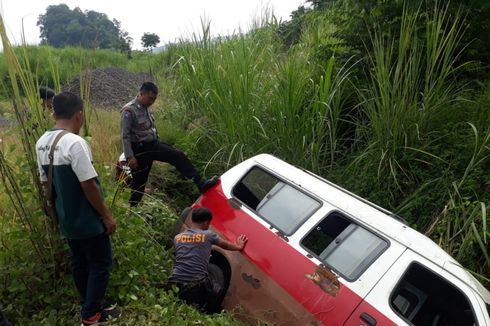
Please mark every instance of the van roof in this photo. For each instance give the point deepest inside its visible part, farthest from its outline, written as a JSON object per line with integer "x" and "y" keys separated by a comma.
{"x": 372, "y": 215}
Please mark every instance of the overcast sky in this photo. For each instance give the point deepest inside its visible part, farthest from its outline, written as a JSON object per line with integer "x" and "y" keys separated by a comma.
{"x": 168, "y": 19}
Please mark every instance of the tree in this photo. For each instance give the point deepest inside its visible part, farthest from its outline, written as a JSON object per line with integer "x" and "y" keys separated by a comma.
{"x": 356, "y": 20}
{"x": 150, "y": 40}
{"x": 124, "y": 41}
{"x": 60, "y": 26}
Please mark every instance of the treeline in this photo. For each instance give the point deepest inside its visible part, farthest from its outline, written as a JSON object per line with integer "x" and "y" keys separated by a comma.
{"x": 345, "y": 27}
{"x": 61, "y": 26}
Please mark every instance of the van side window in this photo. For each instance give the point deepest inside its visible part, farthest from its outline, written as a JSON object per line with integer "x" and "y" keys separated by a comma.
{"x": 280, "y": 204}
{"x": 344, "y": 246}
{"x": 424, "y": 298}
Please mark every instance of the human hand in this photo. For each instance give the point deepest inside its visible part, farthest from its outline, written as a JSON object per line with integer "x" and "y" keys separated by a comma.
{"x": 133, "y": 163}
{"x": 110, "y": 224}
{"x": 241, "y": 241}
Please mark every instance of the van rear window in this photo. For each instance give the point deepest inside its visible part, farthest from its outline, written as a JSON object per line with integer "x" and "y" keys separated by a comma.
{"x": 277, "y": 202}
{"x": 346, "y": 247}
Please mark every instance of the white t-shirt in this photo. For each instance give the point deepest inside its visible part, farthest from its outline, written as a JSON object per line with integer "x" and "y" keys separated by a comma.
{"x": 72, "y": 165}
{"x": 71, "y": 150}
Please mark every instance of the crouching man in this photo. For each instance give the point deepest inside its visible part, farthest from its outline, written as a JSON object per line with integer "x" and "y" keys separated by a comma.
{"x": 192, "y": 251}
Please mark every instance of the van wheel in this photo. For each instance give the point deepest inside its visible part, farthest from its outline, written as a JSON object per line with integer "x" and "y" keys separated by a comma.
{"x": 218, "y": 285}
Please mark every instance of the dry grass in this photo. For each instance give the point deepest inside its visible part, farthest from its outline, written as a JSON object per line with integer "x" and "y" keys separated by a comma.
{"x": 105, "y": 139}
{"x": 9, "y": 137}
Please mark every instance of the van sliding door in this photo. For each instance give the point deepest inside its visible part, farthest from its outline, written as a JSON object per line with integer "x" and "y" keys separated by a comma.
{"x": 417, "y": 292}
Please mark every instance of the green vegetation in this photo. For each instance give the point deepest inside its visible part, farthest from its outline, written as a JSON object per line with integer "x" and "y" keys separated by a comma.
{"x": 60, "y": 26}
{"x": 392, "y": 115}
{"x": 150, "y": 40}
{"x": 55, "y": 67}
{"x": 351, "y": 21}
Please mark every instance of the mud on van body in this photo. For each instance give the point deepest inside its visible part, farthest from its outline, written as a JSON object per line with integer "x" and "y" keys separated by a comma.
{"x": 318, "y": 254}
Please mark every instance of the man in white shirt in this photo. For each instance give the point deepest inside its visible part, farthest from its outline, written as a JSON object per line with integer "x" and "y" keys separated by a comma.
{"x": 84, "y": 219}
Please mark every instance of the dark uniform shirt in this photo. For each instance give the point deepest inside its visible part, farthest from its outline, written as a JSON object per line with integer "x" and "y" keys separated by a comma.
{"x": 137, "y": 126}
{"x": 192, "y": 251}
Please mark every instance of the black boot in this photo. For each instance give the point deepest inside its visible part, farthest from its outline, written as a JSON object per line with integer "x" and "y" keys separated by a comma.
{"x": 204, "y": 185}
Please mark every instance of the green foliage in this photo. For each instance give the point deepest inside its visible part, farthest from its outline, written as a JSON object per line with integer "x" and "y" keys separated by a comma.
{"x": 150, "y": 40}
{"x": 26, "y": 194}
{"x": 60, "y": 26}
{"x": 461, "y": 228}
{"x": 256, "y": 99}
{"x": 56, "y": 67}
{"x": 124, "y": 41}
{"x": 35, "y": 281}
{"x": 354, "y": 19}
{"x": 141, "y": 267}
{"x": 420, "y": 145}
{"x": 409, "y": 83}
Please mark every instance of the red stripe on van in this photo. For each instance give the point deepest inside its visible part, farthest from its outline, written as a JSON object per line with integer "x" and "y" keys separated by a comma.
{"x": 284, "y": 264}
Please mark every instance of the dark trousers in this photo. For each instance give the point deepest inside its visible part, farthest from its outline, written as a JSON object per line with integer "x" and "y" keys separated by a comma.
{"x": 91, "y": 263}
{"x": 148, "y": 152}
{"x": 3, "y": 320}
{"x": 199, "y": 294}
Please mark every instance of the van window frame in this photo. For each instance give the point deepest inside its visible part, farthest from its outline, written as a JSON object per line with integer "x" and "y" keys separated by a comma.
{"x": 440, "y": 277}
{"x": 285, "y": 181}
{"x": 352, "y": 221}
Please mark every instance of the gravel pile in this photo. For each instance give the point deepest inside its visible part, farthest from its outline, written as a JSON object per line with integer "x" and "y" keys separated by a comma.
{"x": 110, "y": 88}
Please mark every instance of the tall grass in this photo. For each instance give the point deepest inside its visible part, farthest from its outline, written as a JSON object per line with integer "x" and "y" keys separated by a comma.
{"x": 410, "y": 80}
{"x": 26, "y": 193}
{"x": 462, "y": 227}
{"x": 257, "y": 99}
{"x": 26, "y": 200}
{"x": 221, "y": 79}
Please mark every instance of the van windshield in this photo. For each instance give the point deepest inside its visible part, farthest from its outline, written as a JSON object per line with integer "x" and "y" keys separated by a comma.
{"x": 277, "y": 202}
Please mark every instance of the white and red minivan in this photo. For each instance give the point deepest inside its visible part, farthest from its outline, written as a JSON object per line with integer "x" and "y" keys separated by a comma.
{"x": 318, "y": 254}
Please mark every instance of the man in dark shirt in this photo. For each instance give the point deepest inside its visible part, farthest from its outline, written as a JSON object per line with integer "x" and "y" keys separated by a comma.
{"x": 141, "y": 145}
{"x": 192, "y": 251}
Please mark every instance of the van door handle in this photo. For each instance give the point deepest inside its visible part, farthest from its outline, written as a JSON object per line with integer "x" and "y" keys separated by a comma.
{"x": 368, "y": 319}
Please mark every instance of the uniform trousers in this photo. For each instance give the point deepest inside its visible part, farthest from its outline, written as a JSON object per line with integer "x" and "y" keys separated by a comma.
{"x": 146, "y": 153}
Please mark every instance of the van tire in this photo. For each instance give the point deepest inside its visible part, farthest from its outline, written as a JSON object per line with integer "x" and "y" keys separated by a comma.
{"x": 218, "y": 285}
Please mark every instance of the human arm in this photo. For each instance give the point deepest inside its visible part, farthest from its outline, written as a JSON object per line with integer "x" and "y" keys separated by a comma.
{"x": 44, "y": 185}
{"x": 126, "y": 125}
{"x": 239, "y": 244}
{"x": 92, "y": 193}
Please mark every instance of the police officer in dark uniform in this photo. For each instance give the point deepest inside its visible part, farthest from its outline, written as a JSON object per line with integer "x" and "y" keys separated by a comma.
{"x": 141, "y": 145}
